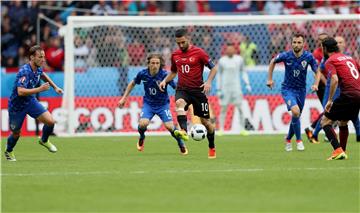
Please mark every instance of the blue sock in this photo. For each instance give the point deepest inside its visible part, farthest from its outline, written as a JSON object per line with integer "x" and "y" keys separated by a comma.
{"x": 11, "y": 143}
{"x": 295, "y": 122}
{"x": 179, "y": 141}
{"x": 317, "y": 129}
{"x": 142, "y": 132}
{"x": 356, "y": 123}
{"x": 290, "y": 133}
{"x": 46, "y": 132}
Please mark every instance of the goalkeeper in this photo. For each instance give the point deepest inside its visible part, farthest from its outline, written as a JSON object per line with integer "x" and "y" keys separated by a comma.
{"x": 229, "y": 85}
{"x": 156, "y": 102}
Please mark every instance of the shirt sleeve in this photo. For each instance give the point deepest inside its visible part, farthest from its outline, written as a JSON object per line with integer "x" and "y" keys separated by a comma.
{"x": 313, "y": 63}
{"x": 207, "y": 60}
{"x": 137, "y": 78}
{"x": 280, "y": 57}
{"x": 23, "y": 80}
{"x": 173, "y": 65}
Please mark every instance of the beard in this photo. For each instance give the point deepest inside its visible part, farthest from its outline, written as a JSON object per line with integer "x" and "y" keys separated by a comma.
{"x": 297, "y": 50}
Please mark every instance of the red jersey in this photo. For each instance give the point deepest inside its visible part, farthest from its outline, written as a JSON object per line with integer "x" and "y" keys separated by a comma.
{"x": 347, "y": 70}
{"x": 190, "y": 67}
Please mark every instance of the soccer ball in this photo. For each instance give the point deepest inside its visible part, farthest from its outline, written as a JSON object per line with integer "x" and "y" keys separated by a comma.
{"x": 198, "y": 132}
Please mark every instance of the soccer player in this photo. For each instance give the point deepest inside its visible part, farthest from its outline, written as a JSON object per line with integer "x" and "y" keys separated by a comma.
{"x": 345, "y": 73}
{"x": 23, "y": 102}
{"x": 314, "y": 137}
{"x": 188, "y": 62}
{"x": 229, "y": 85}
{"x": 156, "y": 102}
{"x": 293, "y": 89}
{"x": 318, "y": 55}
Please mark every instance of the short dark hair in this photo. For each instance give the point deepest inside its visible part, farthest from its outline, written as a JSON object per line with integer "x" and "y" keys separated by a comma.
{"x": 180, "y": 32}
{"x": 330, "y": 44}
{"x": 34, "y": 49}
{"x": 156, "y": 55}
{"x": 296, "y": 35}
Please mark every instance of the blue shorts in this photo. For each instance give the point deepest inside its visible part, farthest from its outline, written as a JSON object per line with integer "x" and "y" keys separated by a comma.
{"x": 293, "y": 97}
{"x": 327, "y": 93}
{"x": 16, "y": 119}
{"x": 163, "y": 112}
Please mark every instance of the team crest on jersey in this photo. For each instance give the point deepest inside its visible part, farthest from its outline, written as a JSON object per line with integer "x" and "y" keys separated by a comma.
{"x": 22, "y": 79}
{"x": 304, "y": 63}
{"x": 191, "y": 59}
{"x": 289, "y": 102}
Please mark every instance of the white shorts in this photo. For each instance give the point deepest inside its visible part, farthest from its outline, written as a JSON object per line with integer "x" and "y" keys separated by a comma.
{"x": 231, "y": 97}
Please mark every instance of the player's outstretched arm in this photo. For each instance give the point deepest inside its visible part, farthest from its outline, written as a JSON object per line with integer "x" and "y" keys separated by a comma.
{"x": 270, "y": 82}
{"x": 318, "y": 75}
{"x": 46, "y": 78}
{"x": 207, "y": 84}
{"x": 26, "y": 92}
{"x": 129, "y": 88}
{"x": 170, "y": 76}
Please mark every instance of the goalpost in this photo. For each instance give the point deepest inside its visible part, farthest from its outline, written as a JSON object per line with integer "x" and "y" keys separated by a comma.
{"x": 104, "y": 53}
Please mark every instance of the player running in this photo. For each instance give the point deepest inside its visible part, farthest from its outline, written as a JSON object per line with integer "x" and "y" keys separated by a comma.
{"x": 293, "y": 88}
{"x": 23, "y": 102}
{"x": 156, "y": 101}
{"x": 313, "y": 135}
{"x": 188, "y": 62}
{"x": 345, "y": 73}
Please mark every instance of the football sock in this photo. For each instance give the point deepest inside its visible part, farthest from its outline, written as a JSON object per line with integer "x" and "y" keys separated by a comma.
{"x": 11, "y": 142}
{"x": 142, "y": 132}
{"x": 241, "y": 117}
{"x": 356, "y": 123}
{"x": 313, "y": 124}
{"x": 290, "y": 133}
{"x": 46, "y": 132}
{"x": 295, "y": 122}
{"x": 343, "y": 136}
{"x": 331, "y": 135}
{"x": 182, "y": 122}
{"x": 211, "y": 139}
{"x": 179, "y": 141}
{"x": 317, "y": 129}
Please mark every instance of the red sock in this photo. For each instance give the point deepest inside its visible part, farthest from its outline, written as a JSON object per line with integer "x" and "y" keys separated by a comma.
{"x": 298, "y": 141}
{"x": 343, "y": 136}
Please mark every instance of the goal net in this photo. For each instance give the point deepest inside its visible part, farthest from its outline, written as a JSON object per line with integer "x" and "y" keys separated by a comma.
{"x": 103, "y": 54}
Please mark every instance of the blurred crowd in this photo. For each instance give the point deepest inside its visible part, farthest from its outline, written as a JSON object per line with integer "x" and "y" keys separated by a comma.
{"x": 19, "y": 26}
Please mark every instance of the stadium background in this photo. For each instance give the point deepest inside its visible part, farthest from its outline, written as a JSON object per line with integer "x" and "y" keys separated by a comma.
{"x": 106, "y": 76}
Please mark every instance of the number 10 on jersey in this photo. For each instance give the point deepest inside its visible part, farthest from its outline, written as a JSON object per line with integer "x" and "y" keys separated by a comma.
{"x": 185, "y": 68}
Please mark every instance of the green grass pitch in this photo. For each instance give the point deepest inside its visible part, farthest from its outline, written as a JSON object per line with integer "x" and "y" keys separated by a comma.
{"x": 108, "y": 174}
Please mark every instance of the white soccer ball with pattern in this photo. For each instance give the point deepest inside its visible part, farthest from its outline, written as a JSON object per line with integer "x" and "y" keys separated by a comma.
{"x": 198, "y": 132}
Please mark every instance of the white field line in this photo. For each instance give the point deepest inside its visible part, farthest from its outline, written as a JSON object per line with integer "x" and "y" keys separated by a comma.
{"x": 236, "y": 170}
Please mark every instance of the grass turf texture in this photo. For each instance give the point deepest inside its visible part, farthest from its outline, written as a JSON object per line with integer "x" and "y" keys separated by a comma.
{"x": 108, "y": 174}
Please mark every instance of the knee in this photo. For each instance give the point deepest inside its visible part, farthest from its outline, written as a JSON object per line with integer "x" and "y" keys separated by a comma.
{"x": 325, "y": 121}
{"x": 50, "y": 122}
{"x": 180, "y": 103}
{"x": 143, "y": 124}
{"x": 209, "y": 126}
{"x": 296, "y": 113}
{"x": 169, "y": 127}
{"x": 343, "y": 123}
